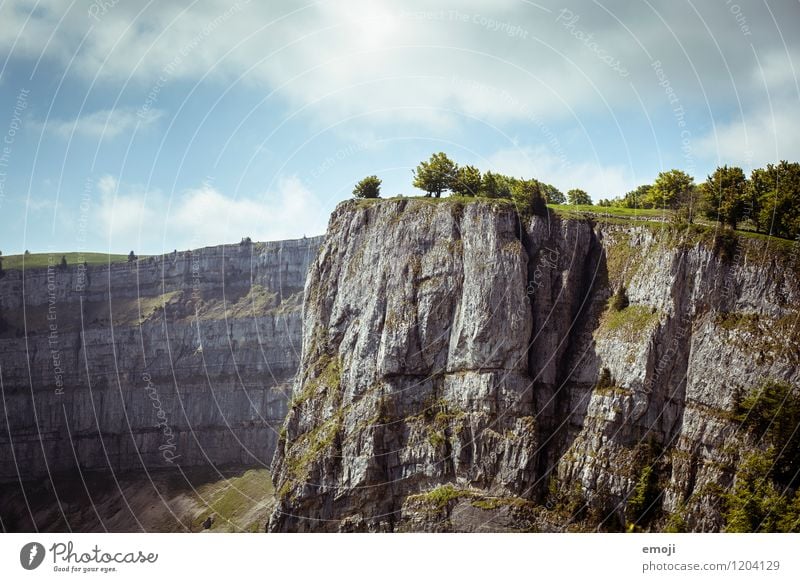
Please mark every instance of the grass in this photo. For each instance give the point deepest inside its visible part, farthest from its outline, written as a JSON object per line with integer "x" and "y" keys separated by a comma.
{"x": 38, "y": 260}
{"x": 441, "y": 496}
{"x": 631, "y": 321}
{"x": 238, "y": 503}
{"x": 610, "y": 210}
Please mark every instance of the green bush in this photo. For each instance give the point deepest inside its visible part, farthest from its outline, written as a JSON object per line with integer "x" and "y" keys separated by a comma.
{"x": 755, "y": 504}
{"x": 772, "y": 414}
{"x": 620, "y": 299}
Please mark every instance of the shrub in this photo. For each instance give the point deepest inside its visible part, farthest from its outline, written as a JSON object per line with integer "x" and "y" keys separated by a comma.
{"x": 619, "y": 300}
{"x": 369, "y": 187}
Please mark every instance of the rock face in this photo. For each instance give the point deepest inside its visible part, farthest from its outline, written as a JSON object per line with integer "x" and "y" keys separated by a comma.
{"x": 184, "y": 359}
{"x": 464, "y": 369}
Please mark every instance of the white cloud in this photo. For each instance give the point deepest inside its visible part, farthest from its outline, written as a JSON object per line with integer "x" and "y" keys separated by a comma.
{"x": 348, "y": 58}
{"x": 764, "y": 135}
{"x": 289, "y": 212}
{"x": 598, "y": 180}
{"x": 106, "y": 123}
{"x": 205, "y": 216}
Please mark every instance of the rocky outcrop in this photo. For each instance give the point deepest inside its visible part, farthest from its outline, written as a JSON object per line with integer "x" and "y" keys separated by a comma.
{"x": 182, "y": 359}
{"x": 465, "y": 368}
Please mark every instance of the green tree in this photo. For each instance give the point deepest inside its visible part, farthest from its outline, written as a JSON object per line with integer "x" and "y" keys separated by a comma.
{"x": 436, "y": 175}
{"x": 467, "y": 181}
{"x": 131, "y": 257}
{"x": 639, "y": 197}
{"x": 552, "y": 194}
{"x": 670, "y": 190}
{"x": 63, "y": 264}
{"x": 754, "y": 504}
{"x": 527, "y": 195}
{"x": 725, "y": 195}
{"x": 578, "y": 196}
{"x": 775, "y": 194}
{"x": 369, "y": 187}
{"x": 495, "y": 186}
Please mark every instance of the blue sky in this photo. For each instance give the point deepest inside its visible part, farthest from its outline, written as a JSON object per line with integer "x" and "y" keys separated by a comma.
{"x": 154, "y": 126}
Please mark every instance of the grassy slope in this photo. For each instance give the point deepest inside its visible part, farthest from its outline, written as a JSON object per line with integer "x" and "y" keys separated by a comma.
{"x": 34, "y": 260}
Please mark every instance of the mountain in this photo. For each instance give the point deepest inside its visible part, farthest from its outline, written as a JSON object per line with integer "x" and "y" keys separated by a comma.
{"x": 466, "y": 368}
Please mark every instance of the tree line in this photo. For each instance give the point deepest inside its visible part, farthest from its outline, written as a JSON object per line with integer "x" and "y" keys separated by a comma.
{"x": 769, "y": 199}
{"x": 440, "y": 174}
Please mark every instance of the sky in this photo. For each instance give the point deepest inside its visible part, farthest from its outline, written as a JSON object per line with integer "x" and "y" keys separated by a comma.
{"x": 153, "y": 126}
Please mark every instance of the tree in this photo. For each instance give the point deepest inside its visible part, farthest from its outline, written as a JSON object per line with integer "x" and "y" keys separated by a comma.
{"x": 725, "y": 195}
{"x": 63, "y": 264}
{"x": 527, "y": 195}
{"x": 131, "y": 257}
{"x": 246, "y": 241}
{"x": 467, "y": 181}
{"x": 670, "y": 190}
{"x": 578, "y": 196}
{"x": 369, "y": 187}
{"x": 639, "y": 197}
{"x": 436, "y": 175}
{"x": 552, "y": 194}
{"x": 495, "y": 186}
{"x": 778, "y": 190}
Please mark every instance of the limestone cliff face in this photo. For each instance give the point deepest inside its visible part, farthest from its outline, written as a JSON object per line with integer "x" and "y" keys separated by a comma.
{"x": 462, "y": 369}
{"x": 181, "y": 359}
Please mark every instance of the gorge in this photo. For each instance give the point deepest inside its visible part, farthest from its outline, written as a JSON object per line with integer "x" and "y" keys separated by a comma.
{"x": 465, "y": 366}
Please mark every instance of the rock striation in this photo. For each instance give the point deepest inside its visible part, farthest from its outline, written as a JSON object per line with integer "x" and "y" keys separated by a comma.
{"x": 182, "y": 359}
{"x": 467, "y": 368}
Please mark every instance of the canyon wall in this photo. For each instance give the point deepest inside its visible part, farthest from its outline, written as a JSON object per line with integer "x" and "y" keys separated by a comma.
{"x": 466, "y": 368}
{"x": 181, "y": 359}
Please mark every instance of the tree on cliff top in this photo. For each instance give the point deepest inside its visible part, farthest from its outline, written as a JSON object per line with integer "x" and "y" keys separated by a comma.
{"x": 670, "y": 189}
{"x": 578, "y": 196}
{"x": 725, "y": 195}
{"x": 467, "y": 181}
{"x": 528, "y": 197}
{"x": 436, "y": 175}
{"x": 369, "y": 187}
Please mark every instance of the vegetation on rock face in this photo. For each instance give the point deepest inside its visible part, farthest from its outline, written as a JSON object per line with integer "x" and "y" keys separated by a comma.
{"x": 765, "y": 495}
{"x": 772, "y": 414}
{"x": 619, "y": 300}
{"x": 643, "y": 502}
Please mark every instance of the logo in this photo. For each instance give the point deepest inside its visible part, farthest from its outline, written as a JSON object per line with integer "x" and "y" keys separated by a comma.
{"x": 31, "y": 555}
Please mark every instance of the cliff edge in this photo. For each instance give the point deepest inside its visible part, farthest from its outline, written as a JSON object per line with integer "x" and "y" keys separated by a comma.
{"x": 467, "y": 368}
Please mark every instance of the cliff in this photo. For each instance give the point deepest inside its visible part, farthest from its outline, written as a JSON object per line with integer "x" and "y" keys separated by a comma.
{"x": 465, "y": 368}
{"x": 183, "y": 359}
